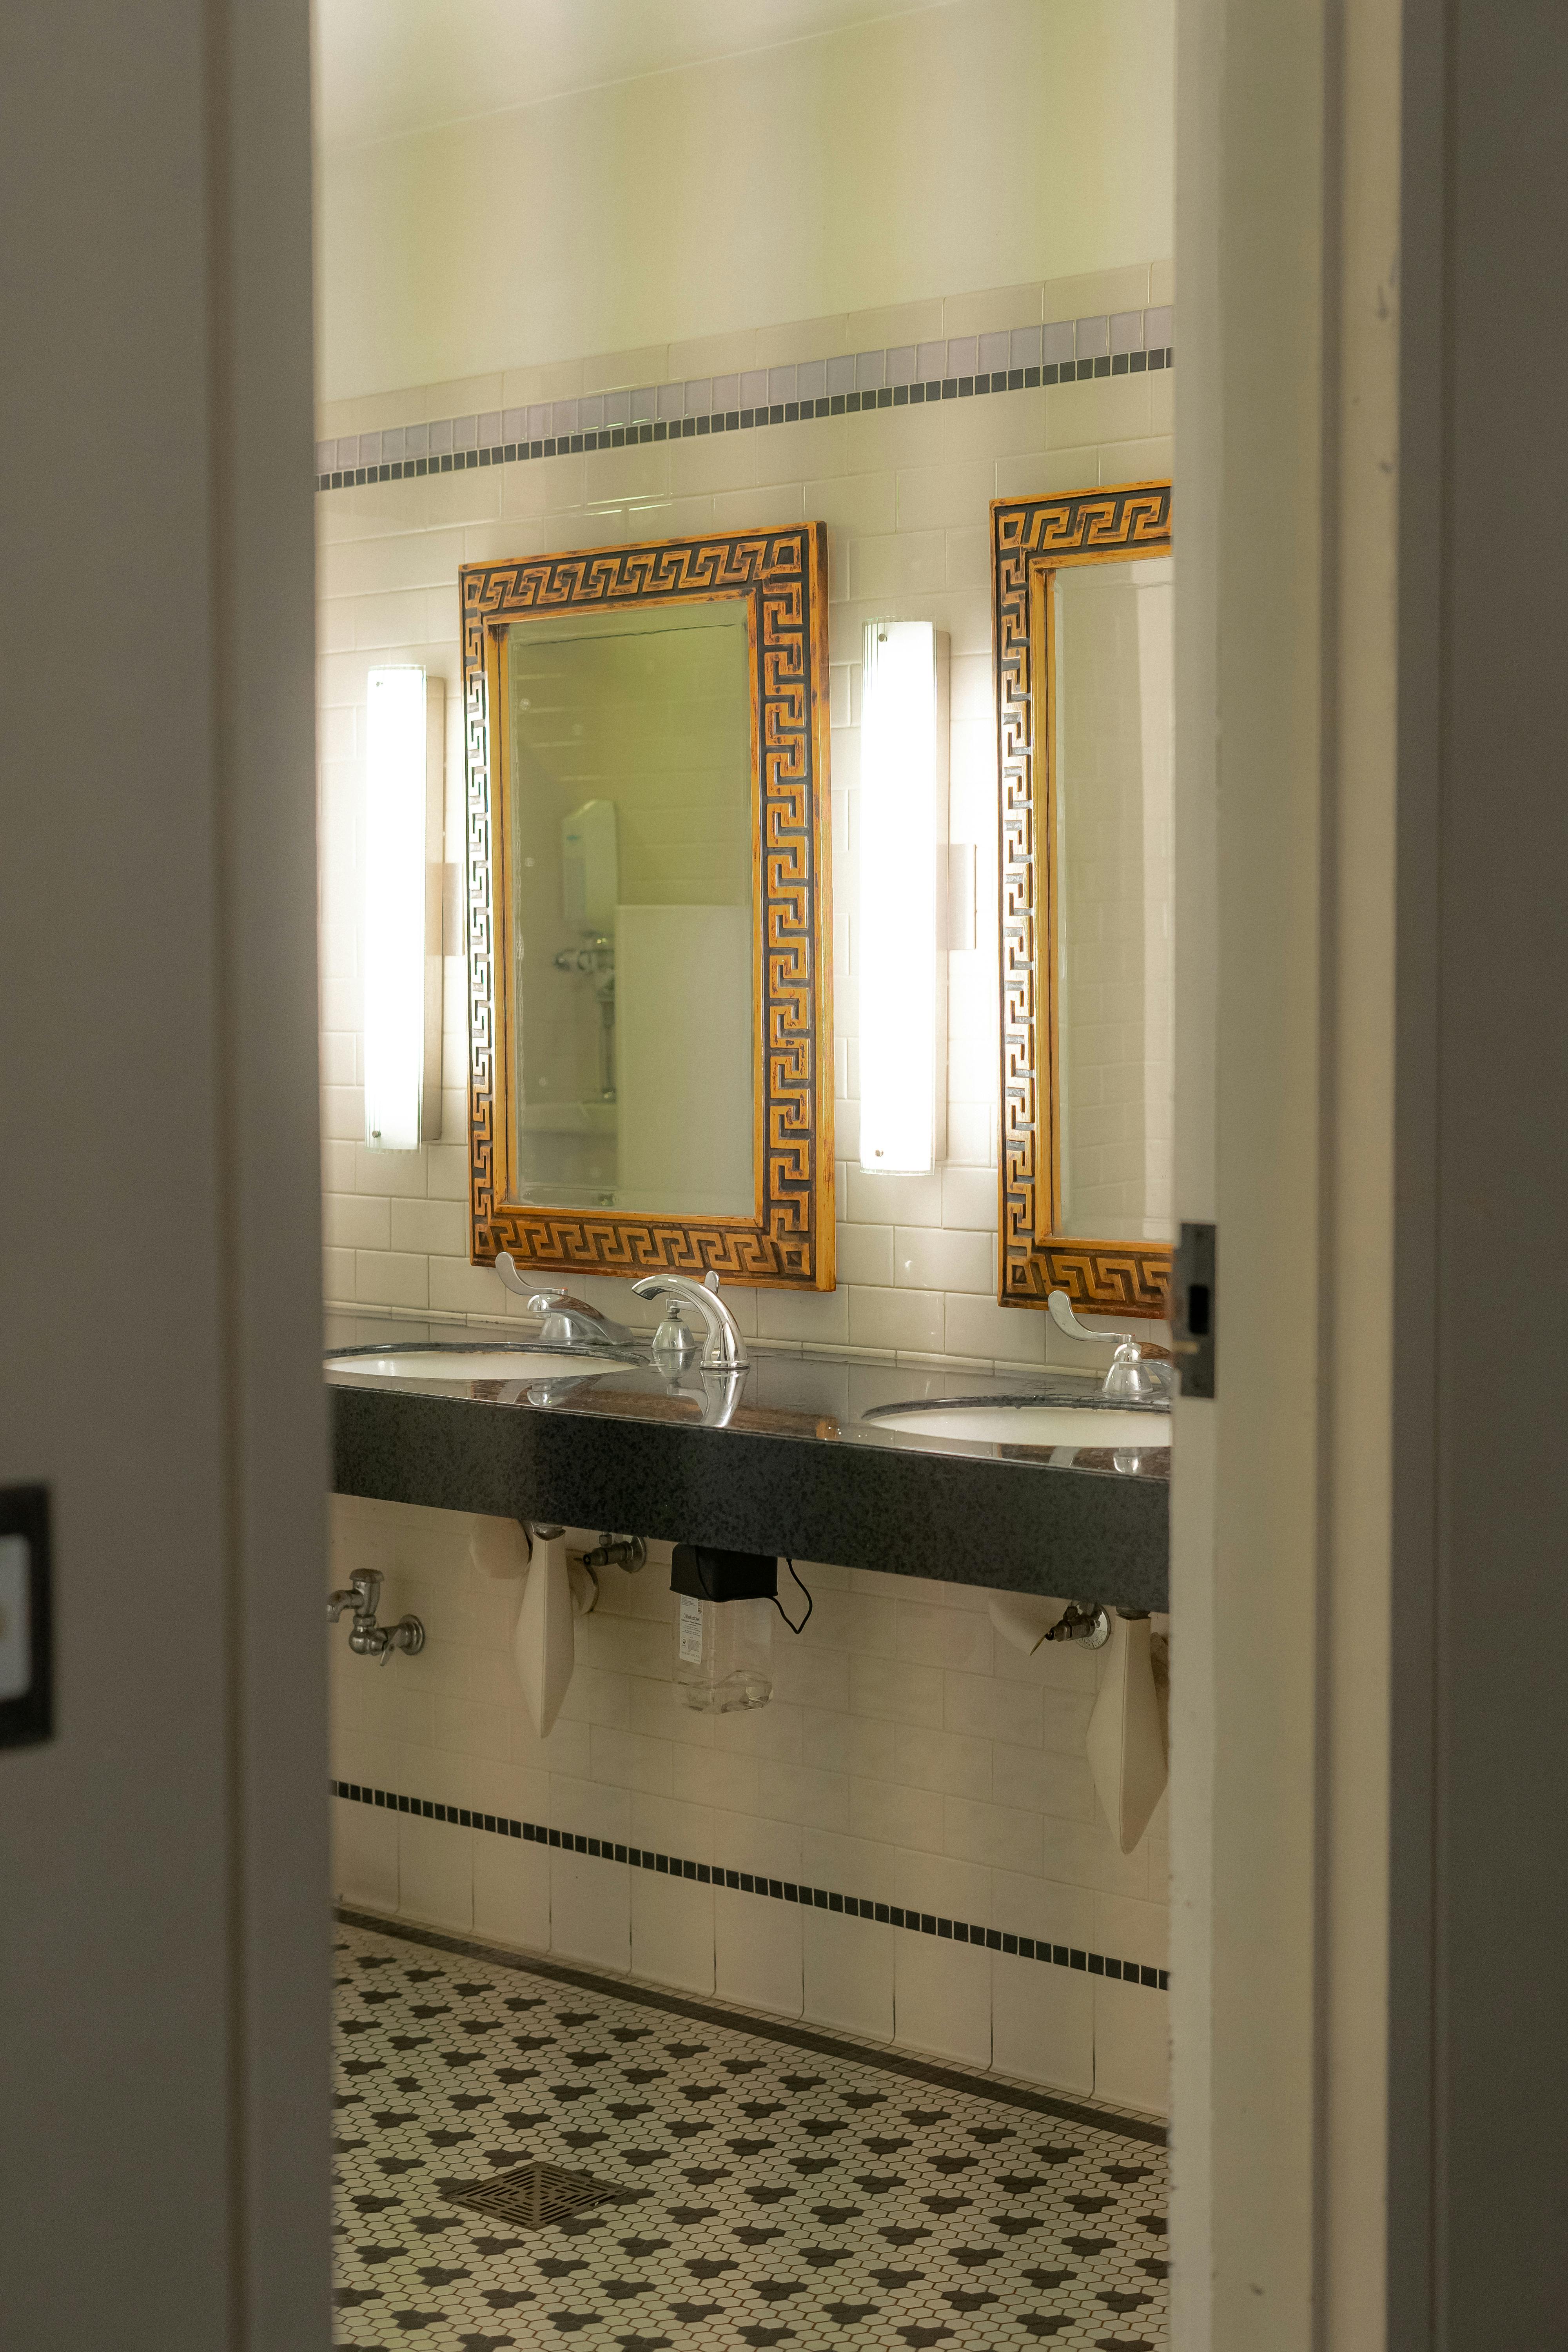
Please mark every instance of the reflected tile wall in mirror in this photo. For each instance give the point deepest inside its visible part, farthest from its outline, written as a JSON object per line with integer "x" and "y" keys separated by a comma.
{"x": 1115, "y": 825}
{"x": 628, "y": 788}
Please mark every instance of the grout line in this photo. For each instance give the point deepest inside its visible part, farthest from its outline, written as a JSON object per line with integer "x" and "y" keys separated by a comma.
{"x": 850, "y": 1906}
{"x": 1001, "y": 2092}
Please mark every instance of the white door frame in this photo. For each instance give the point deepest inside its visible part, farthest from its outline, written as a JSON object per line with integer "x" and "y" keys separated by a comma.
{"x": 1370, "y": 1719}
{"x": 164, "y": 2070}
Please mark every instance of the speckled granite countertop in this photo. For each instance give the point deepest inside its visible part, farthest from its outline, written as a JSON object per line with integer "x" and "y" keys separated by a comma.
{"x": 799, "y": 1470}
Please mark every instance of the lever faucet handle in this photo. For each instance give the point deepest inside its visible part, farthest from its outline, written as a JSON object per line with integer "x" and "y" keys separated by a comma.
{"x": 538, "y": 1302}
{"x": 506, "y": 1266}
{"x": 1066, "y": 1320}
{"x": 1062, "y": 1316}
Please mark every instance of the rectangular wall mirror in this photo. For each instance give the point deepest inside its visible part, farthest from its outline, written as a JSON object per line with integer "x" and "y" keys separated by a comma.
{"x": 649, "y": 919}
{"x": 1082, "y": 614}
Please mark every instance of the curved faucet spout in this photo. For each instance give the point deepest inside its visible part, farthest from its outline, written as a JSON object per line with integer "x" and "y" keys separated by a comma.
{"x": 724, "y": 1350}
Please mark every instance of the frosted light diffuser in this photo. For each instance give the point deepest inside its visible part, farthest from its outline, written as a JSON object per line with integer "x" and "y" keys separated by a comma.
{"x": 897, "y": 952}
{"x": 398, "y": 905}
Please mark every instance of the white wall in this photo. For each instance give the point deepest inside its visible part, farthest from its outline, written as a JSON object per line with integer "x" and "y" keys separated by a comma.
{"x": 908, "y": 1756}
{"x": 980, "y": 144}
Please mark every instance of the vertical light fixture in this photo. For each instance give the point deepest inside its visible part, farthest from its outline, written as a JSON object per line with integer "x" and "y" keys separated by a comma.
{"x": 402, "y": 962}
{"x": 898, "y": 951}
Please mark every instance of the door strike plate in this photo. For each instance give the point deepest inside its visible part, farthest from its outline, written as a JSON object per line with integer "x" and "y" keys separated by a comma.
{"x": 1192, "y": 1310}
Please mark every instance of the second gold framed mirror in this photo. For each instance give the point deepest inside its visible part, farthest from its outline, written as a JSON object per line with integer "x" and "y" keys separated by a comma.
{"x": 649, "y": 909}
{"x": 1082, "y": 607}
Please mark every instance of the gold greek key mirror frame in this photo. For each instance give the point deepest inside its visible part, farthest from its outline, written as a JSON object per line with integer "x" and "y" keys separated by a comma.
{"x": 782, "y": 576}
{"x": 1030, "y": 538}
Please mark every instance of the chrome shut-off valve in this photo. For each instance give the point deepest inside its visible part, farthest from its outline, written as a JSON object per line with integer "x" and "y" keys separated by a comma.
{"x": 366, "y": 1638}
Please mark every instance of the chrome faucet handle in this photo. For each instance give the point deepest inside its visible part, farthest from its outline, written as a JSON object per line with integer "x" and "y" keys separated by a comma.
{"x": 562, "y": 1303}
{"x": 725, "y": 1349}
{"x": 538, "y": 1302}
{"x": 506, "y": 1266}
{"x": 568, "y": 1321}
{"x": 1140, "y": 1372}
{"x": 674, "y": 1343}
{"x": 1062, "y": 1316}
{"x": 572, "y": 1321}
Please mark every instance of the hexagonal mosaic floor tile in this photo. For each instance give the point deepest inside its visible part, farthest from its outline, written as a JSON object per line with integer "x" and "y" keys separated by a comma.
{"x": 764, "y": 2193}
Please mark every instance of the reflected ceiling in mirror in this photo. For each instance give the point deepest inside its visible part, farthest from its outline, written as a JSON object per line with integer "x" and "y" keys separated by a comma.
{"x": 649, "y": 912}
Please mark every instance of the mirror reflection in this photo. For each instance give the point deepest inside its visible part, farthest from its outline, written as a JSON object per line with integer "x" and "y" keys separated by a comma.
{"x": 632, "y": 913}
{"x": 1113, "y": 762}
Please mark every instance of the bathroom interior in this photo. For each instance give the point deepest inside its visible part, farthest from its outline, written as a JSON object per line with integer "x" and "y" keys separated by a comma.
{"x": 746, "y": 842}
{"x": 590, "y": 617}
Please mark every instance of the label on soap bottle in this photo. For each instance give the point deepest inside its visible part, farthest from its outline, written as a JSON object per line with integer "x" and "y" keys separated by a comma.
{"x": 690, "y": 1631}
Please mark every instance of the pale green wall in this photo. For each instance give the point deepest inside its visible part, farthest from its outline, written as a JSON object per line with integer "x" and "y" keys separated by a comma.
{"x": 987, "y": 143}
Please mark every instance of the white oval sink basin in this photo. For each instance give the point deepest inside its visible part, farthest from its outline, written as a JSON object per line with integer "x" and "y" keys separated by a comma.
{"x": 1035, "y": 1425}
{"x": 478, "y": 1364}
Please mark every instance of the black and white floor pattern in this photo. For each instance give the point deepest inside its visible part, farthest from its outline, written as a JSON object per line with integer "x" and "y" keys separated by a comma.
{"x": 778, "y": 2187}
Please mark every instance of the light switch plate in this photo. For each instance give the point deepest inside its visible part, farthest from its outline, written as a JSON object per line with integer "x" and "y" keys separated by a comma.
{"x": 27, "y": 1695}
{"x": 16, "y": 1617}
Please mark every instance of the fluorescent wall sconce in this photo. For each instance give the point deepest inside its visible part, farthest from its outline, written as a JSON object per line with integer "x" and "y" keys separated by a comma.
{"x": 404, "y": 764}
{"x": 899, "y": 954}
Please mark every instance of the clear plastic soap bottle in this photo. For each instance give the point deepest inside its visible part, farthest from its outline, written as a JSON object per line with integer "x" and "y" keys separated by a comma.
{"x": 724, "y": 1627}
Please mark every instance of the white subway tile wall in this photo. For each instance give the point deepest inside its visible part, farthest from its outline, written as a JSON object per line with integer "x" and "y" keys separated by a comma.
{"x": 909, "y": 1756}
{"x": 904, "y": 493}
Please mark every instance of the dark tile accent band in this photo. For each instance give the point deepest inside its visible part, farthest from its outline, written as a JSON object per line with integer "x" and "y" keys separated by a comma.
{"x": 885, "y": 2061}
{"x": 776, "y": 1890}
{"x": 745, "y": 420}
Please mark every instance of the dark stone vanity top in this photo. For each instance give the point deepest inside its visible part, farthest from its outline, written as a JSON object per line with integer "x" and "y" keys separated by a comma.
{"x": 799, "y": 1469}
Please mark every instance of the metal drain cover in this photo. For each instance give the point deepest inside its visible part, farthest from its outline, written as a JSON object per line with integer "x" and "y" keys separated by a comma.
{"x": 532, "y": 2195}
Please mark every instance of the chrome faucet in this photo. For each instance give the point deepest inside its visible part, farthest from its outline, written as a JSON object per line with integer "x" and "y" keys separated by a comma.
{"x": 1139, "y": 1372}
{"x": 366, "y": 1638}
{"x": 724, "y": 1350}
{"x": 572, "y": 1323}
{"x": 568, "y": 1322}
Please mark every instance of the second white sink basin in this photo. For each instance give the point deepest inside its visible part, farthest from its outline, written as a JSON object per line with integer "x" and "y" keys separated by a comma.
{"x": 479, "y": 1364}
{"x": 1035, "y": 1425}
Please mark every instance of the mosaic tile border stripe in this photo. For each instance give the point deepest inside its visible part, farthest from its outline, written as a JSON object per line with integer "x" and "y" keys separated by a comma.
{"x": 1119, "y": 343}
{"x": 887, "y": 2060}
{"x": 821, "y": 1898}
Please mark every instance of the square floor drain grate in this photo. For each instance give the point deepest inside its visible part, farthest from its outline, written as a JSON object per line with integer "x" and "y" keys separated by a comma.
{"x": 533, "y": 2195}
